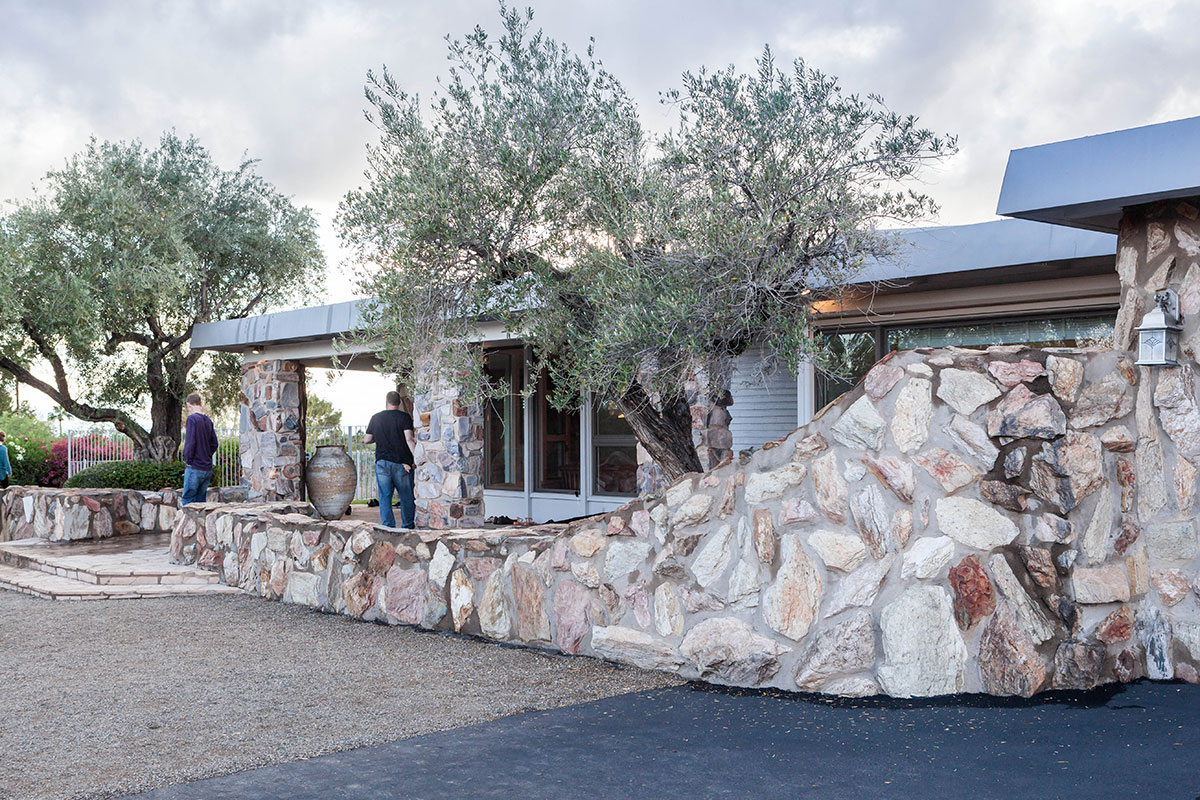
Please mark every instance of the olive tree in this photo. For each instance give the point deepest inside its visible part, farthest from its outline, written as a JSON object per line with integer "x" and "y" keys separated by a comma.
{"x": 123, "y": 251}
{"x": 528, "y": 192}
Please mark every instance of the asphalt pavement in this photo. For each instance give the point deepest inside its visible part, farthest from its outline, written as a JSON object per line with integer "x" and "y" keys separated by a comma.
{"x": 695, "y": 741}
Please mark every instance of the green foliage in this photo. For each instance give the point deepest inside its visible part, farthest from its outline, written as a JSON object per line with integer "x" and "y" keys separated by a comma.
{"x": 29, "y": 442}
{"x": 146, "y": 476}
{"x": 124, "y": 250}
{"x": 527, "y": 192}
{"x": 321, "y": 413}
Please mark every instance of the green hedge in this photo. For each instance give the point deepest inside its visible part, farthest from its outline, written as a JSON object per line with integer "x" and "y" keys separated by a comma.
{"x": 145, "y": 476}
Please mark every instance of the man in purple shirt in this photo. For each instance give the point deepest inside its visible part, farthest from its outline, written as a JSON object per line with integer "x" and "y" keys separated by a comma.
{"x": 199, "y": 444}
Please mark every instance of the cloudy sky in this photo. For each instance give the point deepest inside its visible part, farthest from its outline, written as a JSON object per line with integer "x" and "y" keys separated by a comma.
{"x": 281, "y": 80}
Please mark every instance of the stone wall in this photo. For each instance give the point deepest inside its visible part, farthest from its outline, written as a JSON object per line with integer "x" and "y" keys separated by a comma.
{"x": 711, "y": 434}
{"x": 449, "y": 456}
{"x": 60, "y": 515}
{"x": 271, "y": 430}
{"x": 1003, "y": 521}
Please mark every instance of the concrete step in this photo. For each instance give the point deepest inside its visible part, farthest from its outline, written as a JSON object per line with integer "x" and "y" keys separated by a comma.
{"x": 56, "y": 587}
{"x": 122, "y": 561}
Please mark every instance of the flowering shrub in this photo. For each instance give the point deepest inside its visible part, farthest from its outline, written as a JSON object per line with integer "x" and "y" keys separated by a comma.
{"x": 29, "y": 443}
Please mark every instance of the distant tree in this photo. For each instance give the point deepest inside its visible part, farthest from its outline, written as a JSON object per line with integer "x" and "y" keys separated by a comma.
{"x": 320, "y": 412}
{"x": 106, "y": 272}
{"x": 528, "y": 192}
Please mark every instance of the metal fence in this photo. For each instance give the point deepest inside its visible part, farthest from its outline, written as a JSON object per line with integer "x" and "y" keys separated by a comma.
{"x": 85, "y": 448}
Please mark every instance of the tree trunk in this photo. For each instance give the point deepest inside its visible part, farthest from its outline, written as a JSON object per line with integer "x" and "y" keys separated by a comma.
{"x": 666, "y": 434}
{"x": 166, "y": 411}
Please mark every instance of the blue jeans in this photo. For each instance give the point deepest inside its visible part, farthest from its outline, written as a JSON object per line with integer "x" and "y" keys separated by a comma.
{"x": 195, "y": 484}
{"x": 392, "y": 477}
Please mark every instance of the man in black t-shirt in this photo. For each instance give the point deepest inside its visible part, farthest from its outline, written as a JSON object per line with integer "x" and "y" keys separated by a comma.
{"x": 392, "y": 432}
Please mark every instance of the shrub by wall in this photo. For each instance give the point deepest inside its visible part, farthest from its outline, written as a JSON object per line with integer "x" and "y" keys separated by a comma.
{"x": 145, "y": 476}
{"x": 29, "y": 442}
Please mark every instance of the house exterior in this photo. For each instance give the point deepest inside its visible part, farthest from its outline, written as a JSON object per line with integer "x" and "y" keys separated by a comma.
{"x": 1031, "y": 281}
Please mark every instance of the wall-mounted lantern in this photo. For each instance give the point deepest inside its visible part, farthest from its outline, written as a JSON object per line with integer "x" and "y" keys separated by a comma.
{"x": 1158, "y": 335}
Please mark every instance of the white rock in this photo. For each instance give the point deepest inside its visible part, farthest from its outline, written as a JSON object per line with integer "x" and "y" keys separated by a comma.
{"x": 972, "y": 440}
{"x": 860, "y": 587}
{"x": 860, "y": 425}
{"x": 791, "y": 603}
{"x": 624, "y": 556}
{"x": 302, "y": 588}
{"x": 914, "y": 409}
{"x": 679, "y": 492}
{"x": 923, "y": 653}
{"x": 713, "y": 557}
{"x": 763, "y": 486}
{"x": 1030, "y": 615}
{"x": 921, "y": 370}
{"x": 926, "y": 558}
{"x": 586, "y": 574}
{"x": 855, "y": 686}
{"x": 1173, "y": 541}
{"x": 440, "y": 566}
{"x": 839, "y": 551}
{"x": 495, "y": 621}
{"x": 668, "y": 614}
{"x": 630, "y": 646}
{"x": 1096, "y": 538}
{"x": 841, "y": 649}
{"x": 970, "y": 522}
{"x": 744, "y": 584}
{"x": 694, "y": 511}
{"x": 965, "y": 390}
{"x": 728, "y": 649}
{"x": 462, "y": 598}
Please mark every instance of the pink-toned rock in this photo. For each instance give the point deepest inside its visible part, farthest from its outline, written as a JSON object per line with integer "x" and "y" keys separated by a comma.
{"x": 462, "y": 598}
{"x": 1010, "y": 373}
{"x": 1118, "y": 439}
{"x": 1068, "y": 470}
{"x": 1040, "y": 566}
{"x": 481, "y": 567}
{"x": 559, "y": 557}
{"x": 1023, "y": 414}
{"x": 894, "y": 473}
{"x": 810, "y": 445}
{"x": 902, "y": 526}
{"x": 764, "y": 535}
{"x": 791, "y": 603}
{"x": 1009, "y": 663}
{"x": 1127, "y": 480}
{"x": 1065, "y": 376}
{"x": 1103, "y": 401}
{"x": 952, "y": 472}
{"x": 1116, "y": 627}
{"x": 617, "y": 526}
{"x": 359, "y": 593}
{"x": 639, "y": 602}
{"x": 1172, "y": 585}
{"x": 383, "y": 555}
{"x": 1077, "y": 665}
{"x": 973, "y": 595}
{"x": 831, "y": 488}
{"x": 1130, "y": 531}
{"x": 406, "y": 595}
{"x": 640, "y": 522}
{"x": 880, "y": 380}
{"x": 571, "y": 601}
{"x": 797, "y": 511}
{"x": 1186, "y": 672}
{"x": 528, "y": 596}
{"x": 1125, "y": 667}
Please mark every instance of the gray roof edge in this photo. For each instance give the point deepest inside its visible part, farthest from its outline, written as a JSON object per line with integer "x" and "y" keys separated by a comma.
{"x": 327, "y": 321}
{"x": 924, "y": 251}
{"x": 1106, "y": 171}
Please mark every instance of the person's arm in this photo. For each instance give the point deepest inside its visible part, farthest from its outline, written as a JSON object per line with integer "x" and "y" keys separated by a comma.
{"x": 189, "y": 440}
{"x": 369, "y": 436}
{"x": 412, "y": 443}
{"x": 214, "y": 444}
{"x": 5, "y": 466}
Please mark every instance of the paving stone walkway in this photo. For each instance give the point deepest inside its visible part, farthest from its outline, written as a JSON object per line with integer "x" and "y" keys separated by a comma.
{"x": 1135, "y": 741}
{"x": 123, "y": 567}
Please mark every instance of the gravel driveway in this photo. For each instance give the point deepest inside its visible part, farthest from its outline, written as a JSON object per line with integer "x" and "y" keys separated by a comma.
{"x": 102, "y": 698}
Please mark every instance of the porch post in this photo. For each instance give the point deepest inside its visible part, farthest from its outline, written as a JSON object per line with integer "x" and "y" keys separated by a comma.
{"x": 271, "y": 430}
{"x": 449, "y": 458}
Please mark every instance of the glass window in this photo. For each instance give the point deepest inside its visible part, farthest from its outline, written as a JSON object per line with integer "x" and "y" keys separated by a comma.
{"x": 557, "y": 442}
{"x": 614, "y": 453}
{"x": 504, "y": 421}
{"x": 1067, "y": 331}
{"x": 848, "y": 357}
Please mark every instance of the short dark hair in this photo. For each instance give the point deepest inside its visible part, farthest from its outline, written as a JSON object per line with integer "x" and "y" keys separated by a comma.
{"x": 194, "y": 399}
{"x": 3, "y": 436}
{"x": 393, "y": 398}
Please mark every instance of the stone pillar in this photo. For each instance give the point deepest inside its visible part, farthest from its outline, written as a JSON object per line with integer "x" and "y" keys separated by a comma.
{"x": 449, "y": 456}
{"x": 1158, "y": 247}
{"x": 271, "y": 428}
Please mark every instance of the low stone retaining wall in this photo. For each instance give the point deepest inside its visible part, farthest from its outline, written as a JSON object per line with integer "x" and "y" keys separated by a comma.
{"x": 61, "y": 515}
{"x": 1006, "y": 521}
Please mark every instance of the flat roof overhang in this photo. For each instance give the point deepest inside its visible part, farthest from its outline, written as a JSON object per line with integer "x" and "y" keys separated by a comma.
{"x": 1088, "y": 182}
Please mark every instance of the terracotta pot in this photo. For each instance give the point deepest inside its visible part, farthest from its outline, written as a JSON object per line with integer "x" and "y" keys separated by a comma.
{"x": 331, "y": 480}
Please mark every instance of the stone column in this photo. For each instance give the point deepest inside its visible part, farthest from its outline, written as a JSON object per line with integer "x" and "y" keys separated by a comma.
{"x": 271, "y": 428}
{"x": 1158, "y": 247}
{"x": 710, "y": 434}
{"x": 449, "y": 456}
